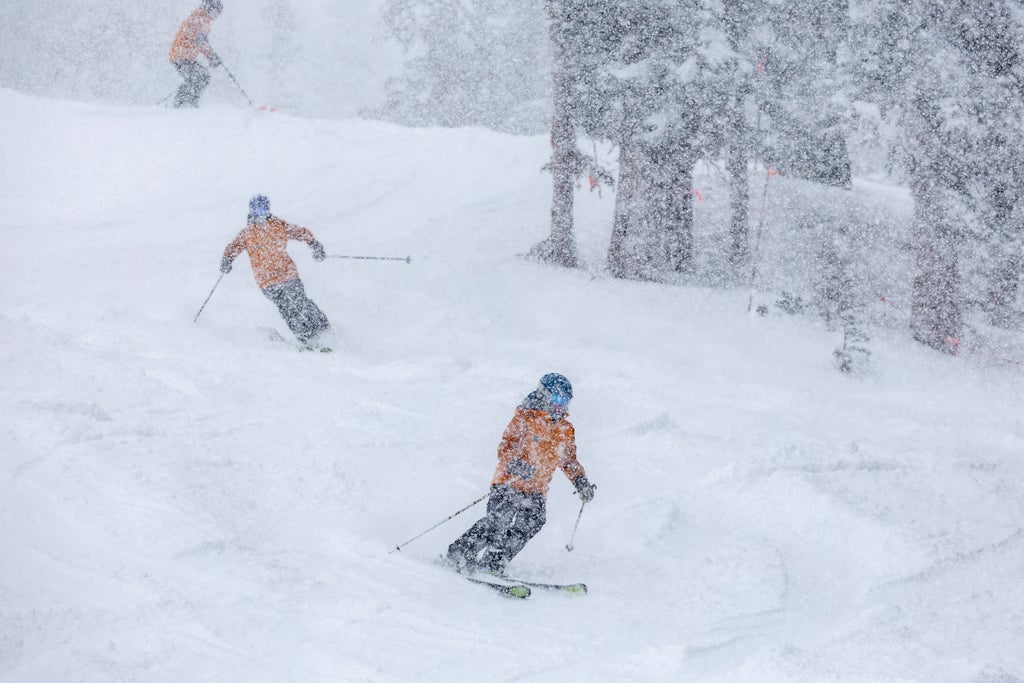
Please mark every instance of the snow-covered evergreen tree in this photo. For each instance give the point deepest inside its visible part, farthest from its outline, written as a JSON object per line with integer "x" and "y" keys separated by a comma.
{"x": 991, "y": 38}
{"x": 471, "y": 62}
{"x": 283, "y": 46}
{"x": 560, "y": 247}
{"x": 85, "y": 50}
{"x": 948, "y": 75}
{"x": 672, "y": 82}
{"x": 840, "y": 301}
{"x": 800, "y": 88}
{"x": 739, "y": 21}
{"x": 657, "y": 94}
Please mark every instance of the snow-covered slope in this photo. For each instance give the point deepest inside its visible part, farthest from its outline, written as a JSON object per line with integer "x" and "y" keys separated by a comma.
{"x": 310, "y": 57}
{"x": 193, "y": 502}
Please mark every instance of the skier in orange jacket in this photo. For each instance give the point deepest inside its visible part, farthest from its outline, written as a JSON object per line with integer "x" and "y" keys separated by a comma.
{"x": 265, "y": 238}
{"x": 191, "y": 41}
{"x": 537, "y": 441}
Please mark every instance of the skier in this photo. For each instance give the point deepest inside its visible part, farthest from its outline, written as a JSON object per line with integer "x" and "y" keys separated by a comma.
{"x": 538, "y": 440}
{"x": 191, "y": 41}
{"x": 266, "y": 237}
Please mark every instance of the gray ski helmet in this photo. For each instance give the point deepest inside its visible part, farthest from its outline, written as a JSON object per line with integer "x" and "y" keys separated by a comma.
{"x": 556, "y": 388}
{"x": 259, "y": 206}
{"x": 213, "y": 7}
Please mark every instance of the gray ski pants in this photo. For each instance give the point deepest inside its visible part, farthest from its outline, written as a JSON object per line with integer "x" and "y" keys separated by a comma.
{"x": 196, "y": 76}
{"x": 304, "y": 318}
{"x": 513, "y": 518}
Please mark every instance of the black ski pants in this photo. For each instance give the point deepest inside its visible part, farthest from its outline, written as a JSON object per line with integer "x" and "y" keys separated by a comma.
{"x": 304, "y": 318}
{"x": 513, "y": 518}
{"x": 196, "y": 76}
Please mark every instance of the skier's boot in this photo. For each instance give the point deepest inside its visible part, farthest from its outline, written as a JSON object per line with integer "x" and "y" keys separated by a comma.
{"x": 493, "y": 563}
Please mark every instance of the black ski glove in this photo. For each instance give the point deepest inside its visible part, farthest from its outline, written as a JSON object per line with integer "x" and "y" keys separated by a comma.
{"x": 584, "y": 488}
{"x": 521, "y": 469}
{"x": 225, "y": 265}
{"x": 318, "y": 251}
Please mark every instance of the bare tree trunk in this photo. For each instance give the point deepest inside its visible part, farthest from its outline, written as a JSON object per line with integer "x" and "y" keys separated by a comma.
{"x": 936, "y": 307}
{"x": 738, "y": 18}
{"x": 563, "y": 170}
{"x": 1008, "y": 267}
{"x": 620, "y": 261}
{"x": 653, "y": 228}
{"x": 560, "y": 247}
{"x": 678, "y": 217}
{"x": 1004, "y": 286}
{"x": 739, "y": 187}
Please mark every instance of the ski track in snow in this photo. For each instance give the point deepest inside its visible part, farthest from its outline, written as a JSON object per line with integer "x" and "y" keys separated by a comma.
{"x": 196, "y": 502}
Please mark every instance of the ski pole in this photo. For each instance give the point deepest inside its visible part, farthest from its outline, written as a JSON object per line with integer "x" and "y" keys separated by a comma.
{"x": 407, "y": 259}
{"x": 757, "y": 240}
{"x": 208, "y": 297}
{"x": 251, "y": 103}
{"x": 454, "y": 514}
{"x": 569, "y": 546}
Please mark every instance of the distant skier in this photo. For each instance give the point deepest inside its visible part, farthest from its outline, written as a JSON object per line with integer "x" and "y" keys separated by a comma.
{"x": 538, "y": 440}
{"x": 191, "y": 41}
{"x": 265, "y": 238}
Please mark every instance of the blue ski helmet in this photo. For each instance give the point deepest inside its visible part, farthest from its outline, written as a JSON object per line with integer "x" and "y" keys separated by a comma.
{"x": 259, "y": 206}
{"x": 556, "y": 388}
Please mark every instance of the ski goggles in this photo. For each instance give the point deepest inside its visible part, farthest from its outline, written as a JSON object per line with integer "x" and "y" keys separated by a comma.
{"x": 558, "y": 400}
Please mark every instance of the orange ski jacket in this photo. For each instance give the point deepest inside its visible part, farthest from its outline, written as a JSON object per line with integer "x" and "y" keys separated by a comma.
{"x": 546, "y": 444}
{"x": 191, "y": 39}
{"x": 267, "y": 244}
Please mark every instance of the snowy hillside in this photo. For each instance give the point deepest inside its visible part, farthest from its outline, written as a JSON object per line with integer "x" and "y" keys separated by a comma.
{"x": 314, "y": 57}
{"x": 195, "y": 502}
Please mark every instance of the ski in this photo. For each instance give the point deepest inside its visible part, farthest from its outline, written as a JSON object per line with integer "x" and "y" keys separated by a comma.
{"x": 321, "y": 349}
{"x": 275, "y": 336}
{"x": 509, "y": 590}
{"x": 569, "y": 588}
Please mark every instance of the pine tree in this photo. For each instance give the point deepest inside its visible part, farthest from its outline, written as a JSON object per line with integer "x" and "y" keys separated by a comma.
{"x": 472, "y": 62}
{"x": 840, "y": 302}
{"x": 800, "y": 85}
{"x": 560, "y": 247}
{"x": 949, "y": 74}
{"x": 739, "y": 21}
{"x": 906, "y": 63}
{"x": 853, "y": 355}
{"x": 663, "y": 93}
{"x": 990, "y": 35}
{"x": 670, "y": 82}
{"x": 282, "y": 48}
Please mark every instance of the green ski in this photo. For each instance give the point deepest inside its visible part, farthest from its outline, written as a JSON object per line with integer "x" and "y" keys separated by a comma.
{"x": 508, "y": 590}
{"x": 569, "y": 588}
